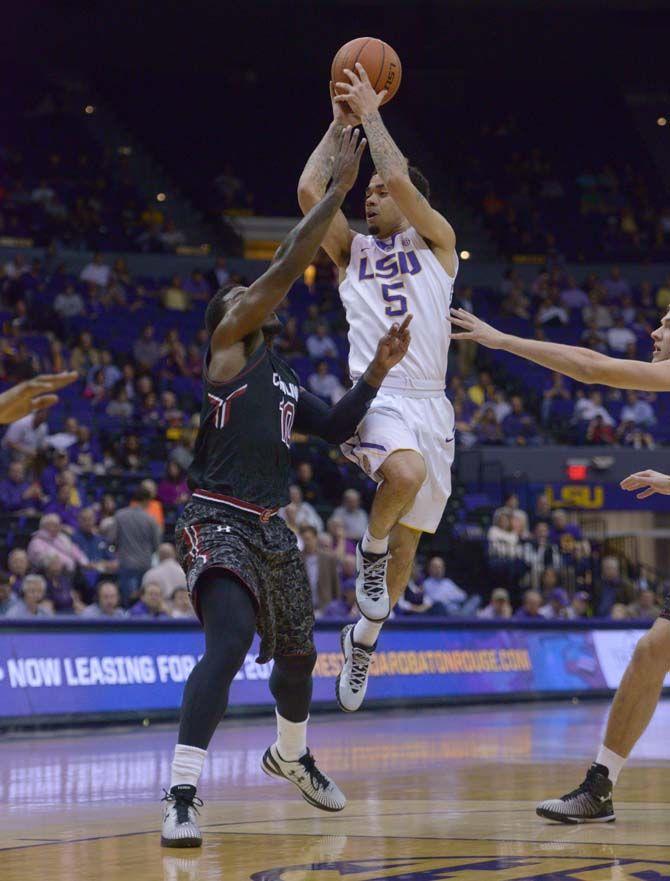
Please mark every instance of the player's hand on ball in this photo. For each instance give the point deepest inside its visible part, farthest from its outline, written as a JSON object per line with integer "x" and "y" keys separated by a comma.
{"x": 392, "y": 347}
{"x": 650, "y": 482}
{"x": 358, "y": 92}
{"x": 341, "y": 111}
{"x": 475, "y": 329}
{"x": 348, "y": 158}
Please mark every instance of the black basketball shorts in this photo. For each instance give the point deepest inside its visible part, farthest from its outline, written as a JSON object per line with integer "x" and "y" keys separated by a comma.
{"x": 264, "y": 557}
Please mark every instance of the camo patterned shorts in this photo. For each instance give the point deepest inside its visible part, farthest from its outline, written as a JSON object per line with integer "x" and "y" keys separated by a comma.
{"x": 265, "y": 558}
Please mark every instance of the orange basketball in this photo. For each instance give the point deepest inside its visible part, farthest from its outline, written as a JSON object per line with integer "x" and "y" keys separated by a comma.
{"x": 380, "y": 61}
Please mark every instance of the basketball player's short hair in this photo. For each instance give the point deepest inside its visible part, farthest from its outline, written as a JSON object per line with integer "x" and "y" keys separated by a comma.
{"x": 419, "y": 180}
{"x": 216, "y": 308}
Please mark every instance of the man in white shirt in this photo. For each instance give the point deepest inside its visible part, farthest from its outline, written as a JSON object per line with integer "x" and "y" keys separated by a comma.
{"x": 69, "y": 303}
{"x": 587, "y": 409}
{"x": 28, "y": 435}
{"x": 441, "y": 589}
{"x": 638, "y": 411}
{"x": 325, "y": 384}
{"x": 354, "y": 518}
{"x": 573, "y": 297}
{"x": 320, "y": 345}
{"x": 620, "y": 337}
{"x": 96, "y": 271}
{"x": 168, "y": 573}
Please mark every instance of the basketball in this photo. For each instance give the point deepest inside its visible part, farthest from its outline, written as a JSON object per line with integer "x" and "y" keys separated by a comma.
{"x": 380, "y": 61}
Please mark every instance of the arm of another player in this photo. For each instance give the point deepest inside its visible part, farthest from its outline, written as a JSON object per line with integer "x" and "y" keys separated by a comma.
{"x": 581, "y": 364}
{"x": 390, "y": 163}
{"x": 337, "y": 424}
{"x": 32, "y": 395}
{"x": 314, "y": 180}
{"x": 249, "y": 312}
{"x": 650, "y": 482}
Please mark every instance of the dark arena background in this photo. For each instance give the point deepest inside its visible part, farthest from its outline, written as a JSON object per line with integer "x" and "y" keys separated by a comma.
{"x": 149, "y": 154}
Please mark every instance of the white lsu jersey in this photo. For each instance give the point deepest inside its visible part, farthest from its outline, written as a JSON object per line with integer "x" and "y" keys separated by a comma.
{"x": 385, "y": 280}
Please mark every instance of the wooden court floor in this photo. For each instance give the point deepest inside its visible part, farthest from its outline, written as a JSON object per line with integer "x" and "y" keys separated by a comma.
{"x": 432, "y": 795}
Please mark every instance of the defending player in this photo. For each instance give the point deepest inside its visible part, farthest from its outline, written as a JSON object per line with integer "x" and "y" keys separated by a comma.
{"x": 406, "y": 441}
{"x": 640, "y": 689}
{"x": 244, "y": 570}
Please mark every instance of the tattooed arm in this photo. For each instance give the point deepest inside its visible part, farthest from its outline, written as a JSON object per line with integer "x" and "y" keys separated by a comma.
{"x": 314, "y": 180}
{"x": 391, "y": 166}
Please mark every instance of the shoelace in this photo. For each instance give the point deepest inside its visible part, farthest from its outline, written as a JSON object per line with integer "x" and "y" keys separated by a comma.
{"x": 373, "y": 577}
{"x": 182, "y": 805}
{"x": 317, "y": 779}
{"x": 585, "y": 788}
{"x": 360, "y": 661}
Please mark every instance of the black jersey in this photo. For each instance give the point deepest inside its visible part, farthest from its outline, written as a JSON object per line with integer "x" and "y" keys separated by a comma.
{"x": 243, "y": 446}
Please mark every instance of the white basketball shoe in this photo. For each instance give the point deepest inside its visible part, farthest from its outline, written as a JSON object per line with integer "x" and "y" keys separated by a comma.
{"x": 372, "y": 595}
{"x": 352, "y": 683}
{"x": 180, "y": 825}
{"x": 315, "y": 787}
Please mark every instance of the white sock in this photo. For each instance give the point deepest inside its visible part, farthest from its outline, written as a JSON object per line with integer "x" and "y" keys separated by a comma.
{"x": 611, "y": 761}
{"x": 372, "y": 545}
{"x": 187, "y": 765}
{"x": 291, "y": 738}
{"x": 367, "y": 632}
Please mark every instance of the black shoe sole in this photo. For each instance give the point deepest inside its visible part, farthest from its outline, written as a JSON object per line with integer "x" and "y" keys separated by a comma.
{"x": 573, "y": 821}
{"x": 272, "y": 769}
{"x": 181, "y": 842}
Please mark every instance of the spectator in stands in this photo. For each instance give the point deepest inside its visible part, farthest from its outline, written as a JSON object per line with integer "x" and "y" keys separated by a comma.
{"x": 543, "y": 511}
{"x": 530, "y": 609}
{"x": 487, "y": 428}
{"x": 18, "y": 565}
{"x": 501, "y": 537}
{"x": 551, "y": 313}
{"x": 85, "y": 454}
{"x": 88, "y": 538}
{"x": 619, "y": 337}
{"x": 320, "y": 344}
{"x": 173, "y": 490}
{"x": 611, "y": 588}
{"x": 167, "y": 573}
{"x": 519, "y": 427}
{"x": 181, "y": 604}
{"x": 8, "y": 599}
{"x": 352, "y": 515}
{"x": 50, "y": 540}
{"x": 150, "y": 604}
{"x": 97, "y": 271}
{"x": 197, "y": 286}
{"x": 638, "y": 411}
{"x": 596, "y": 313}
{"x": 120, "y": 407}
{"x": 573, "y": 297}
{"x": 589, "y": 408}
{"x": 616, "y": 285}
{"x": 290, "y": 343}
{"x": 68, "y": 304}
{"x": 561, "y": 524}
{"x": 645, "y": 607}
{"x": 129, "y": 455}
{"x": 20, "y": 495}
{"x": 62, "y": 505}
{"x": 599, "y": 432}
{"x": 137, "y": 537}
{"x": 218, "y": 275}
{"x": 31, "y": 603}
{"x": 84, "y": 355}
{"x": 342, "y": 546}
{"x": 663, "y": 295}
{"x": 557, "y": 605}
{"x": 345, "y": 605}
{"x": 579, "y": 608}
{"x": 147, "y": 350}
{"x": 499, "y": 607}
{"x": 441, "y": 589}
{"x": 154, "y": 508}
{"x": 175, "y": 296}
{"x": 27, "y": 436}
{"x": 415, "y": 601}
{"x": 299, "y": 513}
{"x": 325, "y": 384}
{"x": 557, "y": 391}
{"x": 60, "y": 592}
{"x": 106, "y": 605}
{"x": 321, "y": 569}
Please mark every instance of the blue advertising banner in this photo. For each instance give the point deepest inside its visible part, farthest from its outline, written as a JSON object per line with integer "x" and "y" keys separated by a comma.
{"x": 60, "y": 671}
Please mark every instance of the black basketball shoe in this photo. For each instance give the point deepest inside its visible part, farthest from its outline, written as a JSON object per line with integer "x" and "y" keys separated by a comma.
{"x": 589, "y": 803}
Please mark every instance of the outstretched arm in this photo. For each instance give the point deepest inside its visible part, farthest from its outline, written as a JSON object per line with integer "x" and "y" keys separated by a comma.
{"x": 390, "y": 163}
{"x": 314, "y": 180}
{"x": 32, "y": 395}
{"x": 337, "y": 424}
{"x": 249, "y": 312}
{"x": 581, "y": 364}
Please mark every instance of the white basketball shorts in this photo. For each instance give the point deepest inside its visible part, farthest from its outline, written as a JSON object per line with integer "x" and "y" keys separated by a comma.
{"x": 400, "y": 422}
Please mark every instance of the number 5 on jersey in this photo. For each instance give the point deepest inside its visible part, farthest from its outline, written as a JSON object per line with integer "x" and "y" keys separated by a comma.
{"x": 398, "y": 302}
